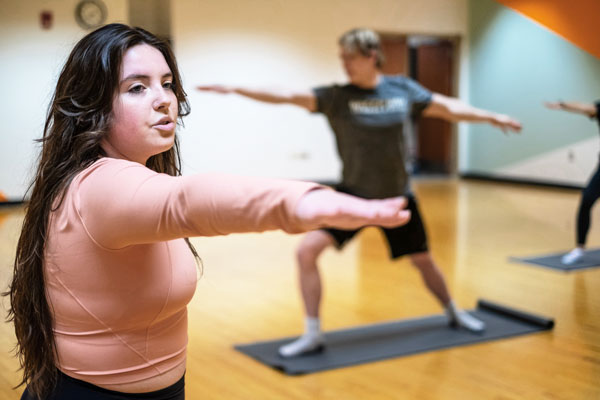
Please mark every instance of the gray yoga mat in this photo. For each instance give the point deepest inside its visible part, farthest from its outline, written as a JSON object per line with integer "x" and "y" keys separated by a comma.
{"x": 591, "y": 259}
{"x": 399, "y": 338}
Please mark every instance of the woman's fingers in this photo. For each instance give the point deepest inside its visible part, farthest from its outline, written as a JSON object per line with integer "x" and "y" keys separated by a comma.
{"x": 329, "y": 208}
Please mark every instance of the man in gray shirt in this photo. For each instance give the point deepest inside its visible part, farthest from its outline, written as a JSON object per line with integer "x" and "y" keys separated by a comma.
{"x": 367, "y": 117}
{"x": 368, "y": 125}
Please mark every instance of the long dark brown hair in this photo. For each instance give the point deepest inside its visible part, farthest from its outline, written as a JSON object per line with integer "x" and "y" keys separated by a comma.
{"x": 79, "y": 116}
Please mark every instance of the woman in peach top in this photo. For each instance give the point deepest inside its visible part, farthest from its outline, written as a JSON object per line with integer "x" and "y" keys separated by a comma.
{"x": 103, "y": 269}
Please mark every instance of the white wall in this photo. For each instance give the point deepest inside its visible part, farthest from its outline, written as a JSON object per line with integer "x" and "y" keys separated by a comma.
{"x": 152, "y": 15}
{"x": 514, "y": 76}
{"x": 284, "y": 44}
{"x": 30, "y": 61}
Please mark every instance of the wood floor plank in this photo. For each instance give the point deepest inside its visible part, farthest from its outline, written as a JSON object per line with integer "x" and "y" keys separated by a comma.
{"x": 248, "y": 293}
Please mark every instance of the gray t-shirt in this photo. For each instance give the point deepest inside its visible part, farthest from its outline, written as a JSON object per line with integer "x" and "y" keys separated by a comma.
{"x": 368, "y": 126}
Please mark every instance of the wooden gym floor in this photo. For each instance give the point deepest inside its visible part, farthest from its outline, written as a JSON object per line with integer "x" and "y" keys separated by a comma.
{"x": 248, "y": 293}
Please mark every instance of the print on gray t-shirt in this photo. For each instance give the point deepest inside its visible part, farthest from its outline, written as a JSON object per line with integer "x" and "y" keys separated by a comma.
{"x": 368, "y": 126}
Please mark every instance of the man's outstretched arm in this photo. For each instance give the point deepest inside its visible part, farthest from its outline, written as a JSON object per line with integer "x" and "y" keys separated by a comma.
{"x": 455, "y": 110}
{"x": 305, "y": 100}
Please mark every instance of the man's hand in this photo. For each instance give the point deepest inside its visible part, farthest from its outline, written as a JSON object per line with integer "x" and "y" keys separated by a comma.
{"x": 506, "y": 123}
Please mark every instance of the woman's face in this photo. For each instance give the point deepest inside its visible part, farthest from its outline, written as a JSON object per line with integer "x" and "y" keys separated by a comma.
{"x": 144, "y": 112}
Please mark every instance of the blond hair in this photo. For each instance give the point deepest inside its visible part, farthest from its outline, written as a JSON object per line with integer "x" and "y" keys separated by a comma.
{"x": 364, "y": 41}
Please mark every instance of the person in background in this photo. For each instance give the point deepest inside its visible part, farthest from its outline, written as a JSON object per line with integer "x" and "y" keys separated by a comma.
{"x": 591, "y": 192}
{"x": 367, "y": 115}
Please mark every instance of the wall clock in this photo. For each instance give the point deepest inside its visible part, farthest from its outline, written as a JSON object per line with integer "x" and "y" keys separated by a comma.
{"x": 90, "y": 13}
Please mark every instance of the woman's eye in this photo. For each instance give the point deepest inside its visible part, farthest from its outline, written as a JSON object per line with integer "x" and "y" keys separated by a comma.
{"x": 169, "y": 85}
{"x": 136, "y": 89}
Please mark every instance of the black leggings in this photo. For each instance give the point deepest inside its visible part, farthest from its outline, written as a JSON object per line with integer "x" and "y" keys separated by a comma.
{"x": 73, "y": 389}
{"x": 589, "y": 196}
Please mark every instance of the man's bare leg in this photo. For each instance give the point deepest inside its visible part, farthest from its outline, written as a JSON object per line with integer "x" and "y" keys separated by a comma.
{"x": 311, "y": 247}
{"x": 435, "y": 282}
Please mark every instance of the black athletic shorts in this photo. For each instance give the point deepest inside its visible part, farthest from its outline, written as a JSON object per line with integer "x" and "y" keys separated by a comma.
{"x": 406, "y": 239}
{"x": 73, "y": 389}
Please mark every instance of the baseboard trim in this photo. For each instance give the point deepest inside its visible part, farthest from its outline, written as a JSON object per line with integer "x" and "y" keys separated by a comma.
{"x": 519, "y": 181}
{"x": 465, "y": 175}
{"x": 11, "y": 203}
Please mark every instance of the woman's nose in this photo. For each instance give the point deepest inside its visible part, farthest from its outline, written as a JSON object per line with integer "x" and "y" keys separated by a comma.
{"x": 163, "y": 99}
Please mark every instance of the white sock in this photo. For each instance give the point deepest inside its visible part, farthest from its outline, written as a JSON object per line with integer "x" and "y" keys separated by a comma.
{"x": 573, "y": 256}
{"x": 462, "y": 318}
{"x": 312, "y": 326}
{"x": 311, "y": 340}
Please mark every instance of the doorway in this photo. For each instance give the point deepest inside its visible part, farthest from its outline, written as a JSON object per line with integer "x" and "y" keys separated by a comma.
{"x": 430, "y": 60}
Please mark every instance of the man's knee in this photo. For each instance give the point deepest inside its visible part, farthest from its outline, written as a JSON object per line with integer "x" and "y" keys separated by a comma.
{"x": 312, "y": 246}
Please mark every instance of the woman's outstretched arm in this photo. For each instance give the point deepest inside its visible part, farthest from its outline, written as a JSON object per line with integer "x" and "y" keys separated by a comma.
{"x": 122, "y": 203}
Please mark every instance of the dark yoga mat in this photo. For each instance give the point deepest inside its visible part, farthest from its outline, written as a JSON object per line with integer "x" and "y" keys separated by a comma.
{"x": 394, "y": 339}
{"x": 591, "y": 259}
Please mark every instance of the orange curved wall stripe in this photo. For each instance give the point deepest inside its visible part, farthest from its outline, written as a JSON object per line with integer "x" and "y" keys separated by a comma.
{"x": 575, "y": 20}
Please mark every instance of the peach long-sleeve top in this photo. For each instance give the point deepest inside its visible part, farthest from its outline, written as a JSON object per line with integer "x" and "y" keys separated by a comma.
{"x": 118, "y": 273}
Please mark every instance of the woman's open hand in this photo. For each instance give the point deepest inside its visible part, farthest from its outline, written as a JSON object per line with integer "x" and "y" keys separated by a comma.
{"x": 328, "y": 208}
